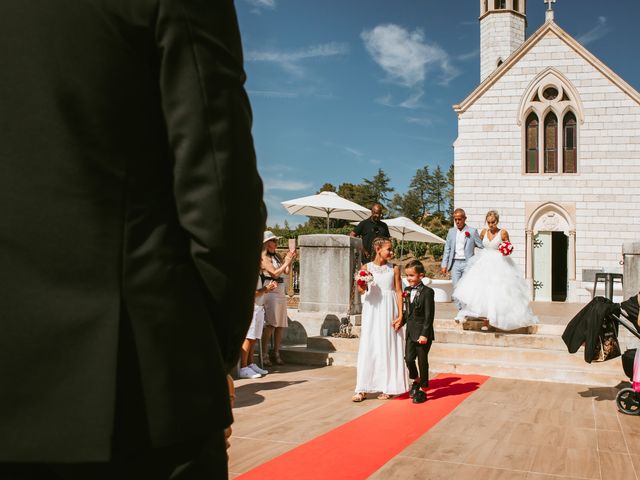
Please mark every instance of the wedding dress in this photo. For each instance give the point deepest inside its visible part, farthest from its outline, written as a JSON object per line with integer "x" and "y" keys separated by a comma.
{"x": 493, "y": 287}
{"x": 381, "y": 351}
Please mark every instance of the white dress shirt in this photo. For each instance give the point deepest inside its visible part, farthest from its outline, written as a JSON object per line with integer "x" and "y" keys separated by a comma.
{"x": 460, "y": 239}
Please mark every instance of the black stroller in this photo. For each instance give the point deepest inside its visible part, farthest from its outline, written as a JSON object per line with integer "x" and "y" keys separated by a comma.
{"x": 596, "y": 327}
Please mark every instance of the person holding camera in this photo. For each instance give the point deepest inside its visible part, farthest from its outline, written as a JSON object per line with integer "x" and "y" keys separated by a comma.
{"x": 369, "y": 229}
{"x": 274, "y": 269}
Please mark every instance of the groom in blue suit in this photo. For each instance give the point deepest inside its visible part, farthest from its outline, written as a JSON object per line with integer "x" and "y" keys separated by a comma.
{"x": 462, "y": 241}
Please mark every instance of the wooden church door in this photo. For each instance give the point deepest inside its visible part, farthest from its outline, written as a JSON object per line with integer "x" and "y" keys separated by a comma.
{"x": 542, "y": 266}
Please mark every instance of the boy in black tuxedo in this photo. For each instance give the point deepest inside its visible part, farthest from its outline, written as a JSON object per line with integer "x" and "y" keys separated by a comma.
{"x": 418, "y": 312}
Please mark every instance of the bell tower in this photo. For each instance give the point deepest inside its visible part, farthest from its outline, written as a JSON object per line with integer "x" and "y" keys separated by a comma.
{"x": 502, "y": 26}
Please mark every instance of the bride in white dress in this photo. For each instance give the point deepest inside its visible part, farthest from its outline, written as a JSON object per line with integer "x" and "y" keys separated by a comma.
{"x": 492, "y": 286}
{"x": 381, "y": 365}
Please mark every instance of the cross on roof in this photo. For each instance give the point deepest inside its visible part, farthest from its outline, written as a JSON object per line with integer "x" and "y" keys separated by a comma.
{"x": 549, "y": 2}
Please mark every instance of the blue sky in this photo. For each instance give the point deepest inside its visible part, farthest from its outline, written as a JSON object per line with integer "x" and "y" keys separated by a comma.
{"x": 341, "y": 88}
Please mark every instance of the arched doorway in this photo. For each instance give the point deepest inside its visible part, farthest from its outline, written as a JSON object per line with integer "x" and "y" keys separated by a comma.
{"x": 551, "y": 250}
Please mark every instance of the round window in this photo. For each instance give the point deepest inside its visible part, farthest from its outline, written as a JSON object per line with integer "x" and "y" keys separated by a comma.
{"x": 550, "y": 93}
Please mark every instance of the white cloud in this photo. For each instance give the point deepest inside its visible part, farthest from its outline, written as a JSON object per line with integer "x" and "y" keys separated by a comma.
{"x": 406, "y": 56}
{"x": 261, "y": 4}
{"x": 287, "y": 185}
{"x": 355, "y": 152}
{"x": 412, "y": 102}
{"x": 423, "y": 121}
{"x": 272, "y": 94}
{"x": 463, "y": 57}
{"x": 290, "y": 61}
{"x": 596, "y": 33}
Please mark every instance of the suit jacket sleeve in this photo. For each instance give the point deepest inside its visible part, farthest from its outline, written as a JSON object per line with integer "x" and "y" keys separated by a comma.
{"x": 429, "y": 311}
{"x": 447, "y": 251}
{"x": 208, "y": 120}
{"x": 476, "y": 239}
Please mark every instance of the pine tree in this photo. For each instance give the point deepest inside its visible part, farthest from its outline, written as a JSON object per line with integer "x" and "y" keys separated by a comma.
{"x": 438, "y": 190}
{"x": 378, "y": 188}
{"x": 419, "y": 190}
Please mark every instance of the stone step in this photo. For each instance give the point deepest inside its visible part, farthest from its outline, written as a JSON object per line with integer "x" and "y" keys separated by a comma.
{"x": 450, "y": 324}
{"x": 303, "y": 355}
{"x": 334, "y": 344}
{"x": 541, "y": 328}
{"x": 466, "y": 337}
{"x": 496, "y": 339}
{"x": 493, "y": 360}
{"x": 594, "y": 374}
{"x": 514, "y": 355}
{"x": 502, "y": 348}
{"x": 571, "y": 369}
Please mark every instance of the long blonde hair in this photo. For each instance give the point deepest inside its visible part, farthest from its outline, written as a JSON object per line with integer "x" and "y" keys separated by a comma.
{"x": 494, "y": 214}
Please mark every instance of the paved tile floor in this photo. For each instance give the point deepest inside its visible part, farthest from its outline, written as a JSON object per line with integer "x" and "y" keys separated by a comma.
{"x": 507, "y": 429}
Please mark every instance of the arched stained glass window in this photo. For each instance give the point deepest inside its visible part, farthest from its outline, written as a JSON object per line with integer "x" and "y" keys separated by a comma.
{"x": 532, "y": 143}
{"x": 569, "y": 144}
{"x": 551, "y": 143}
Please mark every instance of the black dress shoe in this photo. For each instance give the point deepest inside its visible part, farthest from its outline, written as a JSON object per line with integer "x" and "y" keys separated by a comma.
{"x": 414, "y": 389}
{"x": 420, "y": 397}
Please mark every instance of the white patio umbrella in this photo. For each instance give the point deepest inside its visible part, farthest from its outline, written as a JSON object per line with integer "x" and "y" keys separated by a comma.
{"x": 326, "y": 204}
{"x": 404, "y": 228}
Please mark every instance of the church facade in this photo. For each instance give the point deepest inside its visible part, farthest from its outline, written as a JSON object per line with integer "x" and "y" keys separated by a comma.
{"x": 551, "y": 140}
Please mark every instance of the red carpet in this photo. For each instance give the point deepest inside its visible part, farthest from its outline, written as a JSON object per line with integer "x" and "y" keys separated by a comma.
{"x": 358, "y": 448}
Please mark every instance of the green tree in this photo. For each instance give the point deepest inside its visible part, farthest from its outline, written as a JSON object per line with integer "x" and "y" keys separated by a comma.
{"x": 412, "y": 206}
{"x": 327, "y": 187}
{"x": 438, "y": 190}
{"x": 420, "y": 194}
{"x": 377, "y": 188}
{"x": 355, "y": 193}
{"x": 394, "y": 208}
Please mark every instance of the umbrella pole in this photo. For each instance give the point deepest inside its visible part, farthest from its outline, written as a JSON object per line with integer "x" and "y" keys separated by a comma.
{"x": 327, "y": 223}
{"x": 401, "y": 247}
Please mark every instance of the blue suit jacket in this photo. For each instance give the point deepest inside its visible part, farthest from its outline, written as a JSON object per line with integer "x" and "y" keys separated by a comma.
{"x": 470, "y": 243}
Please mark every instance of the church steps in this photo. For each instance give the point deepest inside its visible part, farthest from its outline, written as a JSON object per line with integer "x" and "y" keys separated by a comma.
{"x": 304, "y": 355}
{"x": 495, "y": 339}
{"x": 524, "y": 356}
{"x": 452, "y": 336}
{"x": 594, "y": 374}
{"x": 454, "y": 352}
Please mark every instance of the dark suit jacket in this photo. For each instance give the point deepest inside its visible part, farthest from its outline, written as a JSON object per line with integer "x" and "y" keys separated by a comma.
{"x": 125, "y": 149}
{"x": 586, "y": 326}
{"x": 418, "y": 315}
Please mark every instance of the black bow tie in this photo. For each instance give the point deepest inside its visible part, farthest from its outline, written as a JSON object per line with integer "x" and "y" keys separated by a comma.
{"x": 414, "y": 288}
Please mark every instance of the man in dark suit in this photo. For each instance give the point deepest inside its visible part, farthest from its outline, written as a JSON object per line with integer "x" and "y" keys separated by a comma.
{"x": 125, "y": 145}
{"x": 418, "y": 314}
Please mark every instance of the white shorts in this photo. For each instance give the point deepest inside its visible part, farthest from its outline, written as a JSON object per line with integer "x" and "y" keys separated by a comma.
{"x": 257, "y": 323}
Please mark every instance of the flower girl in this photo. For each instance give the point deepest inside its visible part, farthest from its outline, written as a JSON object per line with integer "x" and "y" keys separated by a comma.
{"x": 381, "y": 353}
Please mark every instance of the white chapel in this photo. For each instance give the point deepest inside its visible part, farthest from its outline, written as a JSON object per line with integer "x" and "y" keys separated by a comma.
{"x": 550, "y": 139}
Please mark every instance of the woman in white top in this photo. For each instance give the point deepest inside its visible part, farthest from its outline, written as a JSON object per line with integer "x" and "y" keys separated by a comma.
{"x": 492, "y": 286}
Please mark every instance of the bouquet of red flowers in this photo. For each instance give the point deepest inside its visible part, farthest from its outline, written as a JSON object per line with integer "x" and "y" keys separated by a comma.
{"x": 363, "y": 278}
{"x": 505, "y": 248}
